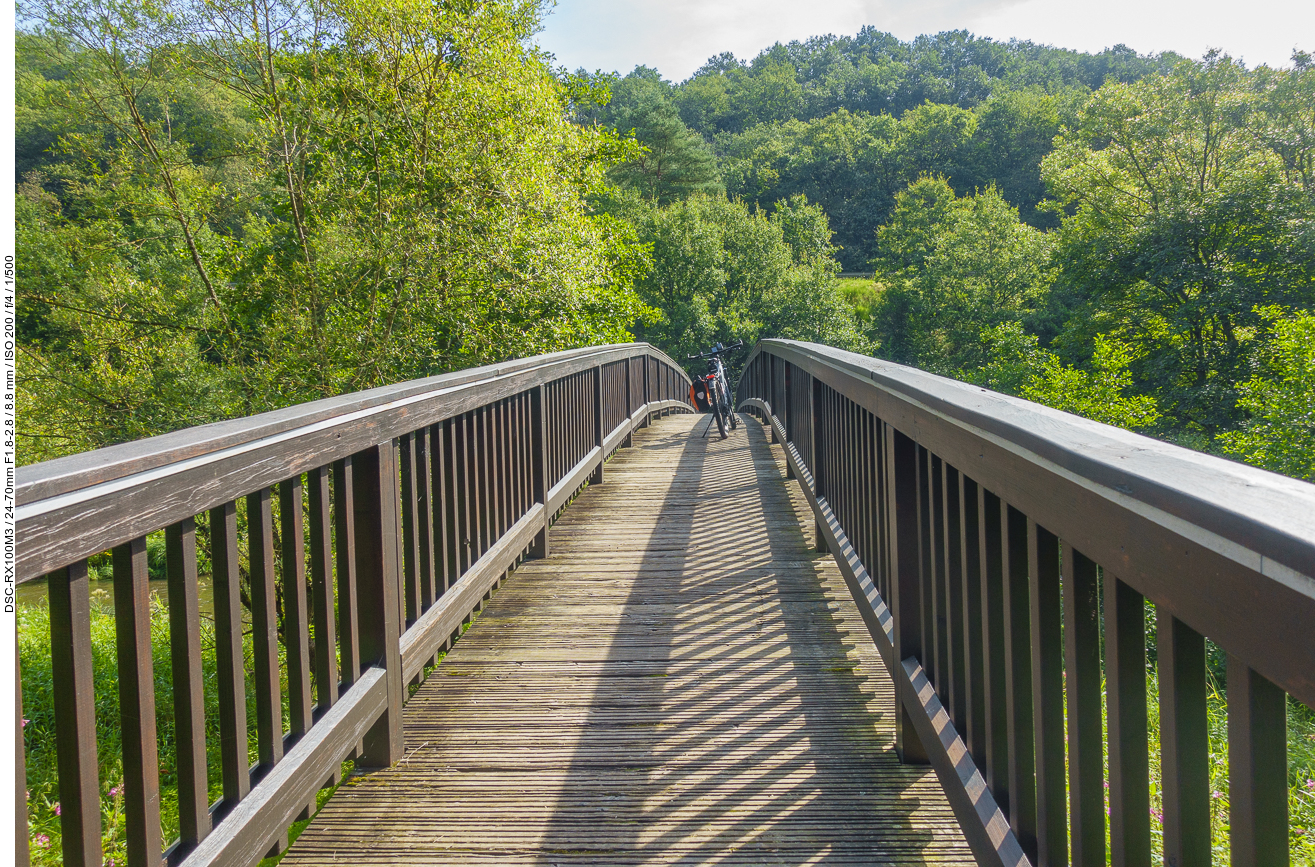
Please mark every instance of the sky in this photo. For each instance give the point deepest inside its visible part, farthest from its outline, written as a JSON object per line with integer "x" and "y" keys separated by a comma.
{"x": 677, "y": 36}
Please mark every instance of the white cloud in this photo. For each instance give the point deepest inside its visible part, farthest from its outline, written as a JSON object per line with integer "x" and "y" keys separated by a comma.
{"x": 677, "y": 36}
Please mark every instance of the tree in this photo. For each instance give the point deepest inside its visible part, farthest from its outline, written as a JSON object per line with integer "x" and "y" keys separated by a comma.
{"x": 722, "y": 271}
{"x": 260, "y": 205}
{"x": 1180, "y": 221}
{"x": 673, "y": 161}
{"x": 953, "y": 268}
{"x": 1279, "y": 433}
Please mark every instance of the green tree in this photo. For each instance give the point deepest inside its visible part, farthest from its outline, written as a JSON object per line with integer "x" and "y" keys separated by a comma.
{"x": 1180, "y": 222}
{"x": 231, "y": 208}
{"x": 1279, "y": 433}
{"x": 1102, "y": 391}
{"x": 673, "y": 161}
{"x": 722, "y": 271}
{"x": 953, "y": 268}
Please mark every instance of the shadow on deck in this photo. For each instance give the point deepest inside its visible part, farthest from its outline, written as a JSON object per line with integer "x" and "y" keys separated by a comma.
{"x": 682, "y": 681}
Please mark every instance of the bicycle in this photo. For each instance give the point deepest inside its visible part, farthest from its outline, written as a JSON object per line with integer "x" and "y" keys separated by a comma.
{"x": 712, "y": 392}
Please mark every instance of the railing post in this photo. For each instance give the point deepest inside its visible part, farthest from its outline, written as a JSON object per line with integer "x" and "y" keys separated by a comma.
{"x": 596, "y": 478}
{"x": 1184, "y": 742}
{"x": 141, "y": 757}
{"x": 375, "y": 494}
{"x": 539, "y": 469}
{"x": 645, "y": 389}
{"x": 819, "y": 481}
{"x": 630, "y": 407}
{"x": 771, "y": 400}
{"x": 75, "y": 717}
{"x": 902, "y": 511}
{"x": 1257, "y": 768}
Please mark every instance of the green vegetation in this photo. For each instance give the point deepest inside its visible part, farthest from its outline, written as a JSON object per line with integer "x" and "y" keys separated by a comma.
{"x": 212, "y": 223}
{"x": 226, "y": 208}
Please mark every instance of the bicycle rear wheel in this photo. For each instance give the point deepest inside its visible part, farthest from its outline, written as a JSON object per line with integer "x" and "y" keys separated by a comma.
{"x": 721, "y": 419}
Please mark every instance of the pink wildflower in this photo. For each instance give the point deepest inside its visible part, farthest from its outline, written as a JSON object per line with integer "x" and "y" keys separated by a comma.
{"x": 1310, "y": 784}
{"x": 1216, "y": 794}
{"x": 57, "y": 810}
{"x": 116, "y": 791}
{"x": 42, "y": 840}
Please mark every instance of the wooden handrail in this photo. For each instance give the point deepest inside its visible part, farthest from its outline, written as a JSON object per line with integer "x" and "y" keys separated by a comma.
{"x": 988, "y": 542}
{"x": 420, "y": 497}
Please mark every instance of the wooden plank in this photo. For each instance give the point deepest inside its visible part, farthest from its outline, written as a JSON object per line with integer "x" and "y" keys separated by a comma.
{"x": 1086, "y": 755}
{"x": 1125, "y": 691}
{"x": 264, "y": 629}
{"x": 1048, "y": 694}
{"x": 344, "y": 522}
{"x": 377, "y": 573}
{"x": 188, "y": 684}
{"x": 229, "y": 667}
{"x": 656, "y": 715}
{"x": 141, "y": 758}
{"x": 1184, "y": 742}
{"x": 75, "y": 716}
{"x": 1257, "y": 769}
{"x": 296, "y": 610}
{"x": 322, "y": 595}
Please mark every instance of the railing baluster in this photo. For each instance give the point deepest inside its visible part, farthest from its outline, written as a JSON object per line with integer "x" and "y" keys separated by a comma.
{"x": 1257, "y": 769}
{"x": 926, "y": 567}
{"x": 321, "y": 585}
{"x": 264, "y": 631}
{"x": 1048, "y": 694}
{"x": 296, "y": 612}
{"x": 424, "y": 515}
{"x": 141, "y": 760}
{"x": 971, "y": 595}
{"x": 1125, "y": 690}
{"x": 596, "y": 407}
{"x": 462, "y": 461}
{"x": 229, "y": 666}
{"x": 410, "y": 535}
{"x": 451, "y": 524}
{"x": 375, "y": 479}
{"x": 1018, "y": 679}
{"x": 539, "y": 463}
{"x": 1184, "y": 742}
{"x": 344, "y": 523}
{"x": 995, "y": 711}
{"x": 188, "y": 684}
{"x": 74, "y": 692}
{"x": 955, "y": 627}
{"x": 1086, "y": 760}
{"x": 902, "y": 470}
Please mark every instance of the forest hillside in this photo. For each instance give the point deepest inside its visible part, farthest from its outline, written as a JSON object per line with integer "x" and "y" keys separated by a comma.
{"x": 221, "y": 213}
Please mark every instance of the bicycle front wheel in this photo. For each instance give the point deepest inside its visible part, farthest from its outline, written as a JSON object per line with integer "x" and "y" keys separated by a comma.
{"x": 721, "y": 419}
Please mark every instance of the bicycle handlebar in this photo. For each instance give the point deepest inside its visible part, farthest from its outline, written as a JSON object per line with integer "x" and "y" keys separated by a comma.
{"x": 717, "y": 350}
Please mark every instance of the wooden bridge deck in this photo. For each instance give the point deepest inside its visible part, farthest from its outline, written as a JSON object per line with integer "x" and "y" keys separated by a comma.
{"x": 682, "y": 681}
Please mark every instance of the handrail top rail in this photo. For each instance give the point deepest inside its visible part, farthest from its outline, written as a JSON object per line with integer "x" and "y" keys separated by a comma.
{"x": 1270, "y": 515}
{"x": 41, "y": 481}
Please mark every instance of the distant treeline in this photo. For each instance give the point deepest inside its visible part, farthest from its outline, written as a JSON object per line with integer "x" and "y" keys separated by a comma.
{"x": 1124, "y": 236}
{"x": 225, "y": 208}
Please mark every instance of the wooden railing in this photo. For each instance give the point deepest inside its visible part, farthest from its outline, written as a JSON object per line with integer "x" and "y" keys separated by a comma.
{"x": 412, "y": 501}
{"x": 1001, "y": 553}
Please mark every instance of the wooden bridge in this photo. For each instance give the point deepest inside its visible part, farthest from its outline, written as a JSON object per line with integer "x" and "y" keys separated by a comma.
{"x": 869, "y": 627}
